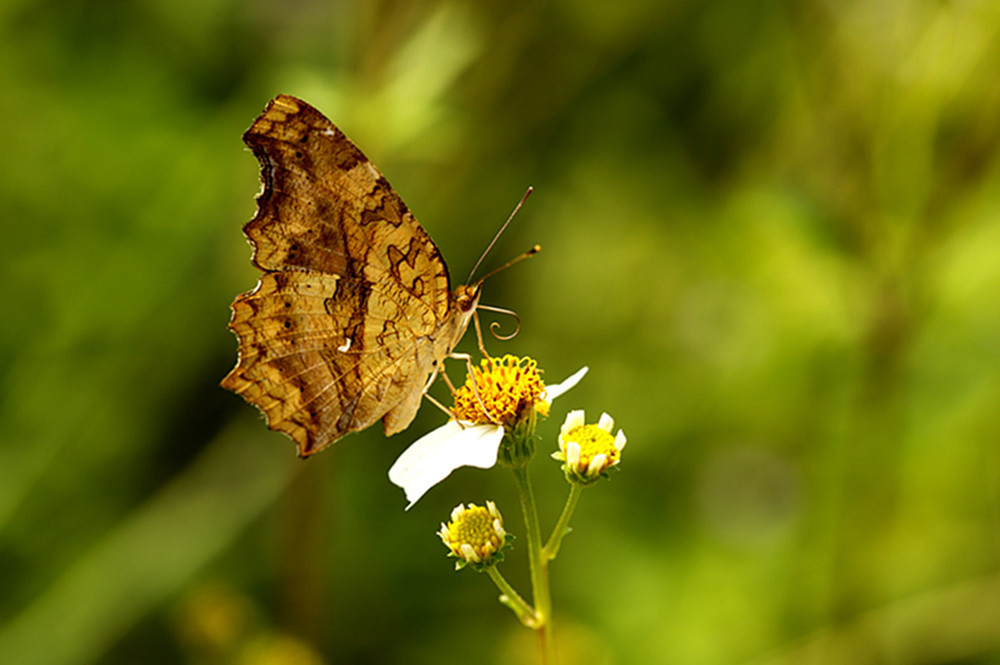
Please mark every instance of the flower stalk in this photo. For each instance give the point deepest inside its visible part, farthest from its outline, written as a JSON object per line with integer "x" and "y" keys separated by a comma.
{"x": 512, "y": 599}
{"x": 551, "y": 548}
{"x": 538, "y": 565}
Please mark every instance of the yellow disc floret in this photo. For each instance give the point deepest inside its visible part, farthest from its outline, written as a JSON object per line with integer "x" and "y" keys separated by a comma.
{"x": 593, "y": 441}
{"x": 501, "y": 391}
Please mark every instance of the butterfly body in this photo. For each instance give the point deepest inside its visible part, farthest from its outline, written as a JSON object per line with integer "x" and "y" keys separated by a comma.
{"x": 354, "y": 309}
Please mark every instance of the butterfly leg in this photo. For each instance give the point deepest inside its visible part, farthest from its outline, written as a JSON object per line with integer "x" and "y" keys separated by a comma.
{"x": 430, "y": 398}
{"x": 447, "y": 380}
{"x": 451, "y": 387}
{"x": 479, "y": 336}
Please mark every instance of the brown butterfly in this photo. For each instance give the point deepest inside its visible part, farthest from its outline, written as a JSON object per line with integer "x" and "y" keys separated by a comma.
{"x": 355, "y": 310}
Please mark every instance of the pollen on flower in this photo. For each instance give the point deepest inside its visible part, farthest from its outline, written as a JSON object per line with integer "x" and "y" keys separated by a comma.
{"x": 588, "y": 450}
{"x": 501, "y": 390}
{"x": 474, "y": 533}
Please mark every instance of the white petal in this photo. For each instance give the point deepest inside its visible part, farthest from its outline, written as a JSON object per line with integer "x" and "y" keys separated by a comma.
{"x": 573, "y": 419}
{"x": 553, "y": 391}
{"x": 596, "y": 464}
{"x": 432, "y": 457}
{"x": 620, "y": 440}
{"x": 468, "y": 553}
{"x": 573, "y": 454}
{"x": 606, "y": 423}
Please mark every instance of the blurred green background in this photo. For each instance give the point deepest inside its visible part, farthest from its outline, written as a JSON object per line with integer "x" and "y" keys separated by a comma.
{"x": 771, "y": 229}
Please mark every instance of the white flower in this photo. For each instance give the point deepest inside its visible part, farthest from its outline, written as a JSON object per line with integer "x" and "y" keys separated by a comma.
{"x": 432, "y": 457}
{"x": 588, "y": 450}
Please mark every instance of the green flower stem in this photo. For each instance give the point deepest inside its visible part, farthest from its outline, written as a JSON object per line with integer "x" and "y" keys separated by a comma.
{"x": 512, "y": 599}
{"x": 539, "y": 565}
{"x": 551, "y": 548}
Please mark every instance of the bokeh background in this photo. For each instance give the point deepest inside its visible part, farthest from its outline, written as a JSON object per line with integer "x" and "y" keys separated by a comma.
{"x": 771, "y": 229}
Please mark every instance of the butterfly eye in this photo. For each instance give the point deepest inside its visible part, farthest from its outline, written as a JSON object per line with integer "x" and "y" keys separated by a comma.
{"x": 466, "y": 297}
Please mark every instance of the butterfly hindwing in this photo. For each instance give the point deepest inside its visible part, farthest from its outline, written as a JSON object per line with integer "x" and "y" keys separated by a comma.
{"x": 315, "y": 360}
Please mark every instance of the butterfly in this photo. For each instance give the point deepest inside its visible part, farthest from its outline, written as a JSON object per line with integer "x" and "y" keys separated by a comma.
{"x": 354, "y": 311}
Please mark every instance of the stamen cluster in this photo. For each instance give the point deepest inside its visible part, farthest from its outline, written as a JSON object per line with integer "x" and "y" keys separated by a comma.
{"x": 501, "y": 391}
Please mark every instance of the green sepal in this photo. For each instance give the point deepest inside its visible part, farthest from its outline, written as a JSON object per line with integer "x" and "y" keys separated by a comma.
{"x": 518, "y": 446}
{"x": 580, "y": 481}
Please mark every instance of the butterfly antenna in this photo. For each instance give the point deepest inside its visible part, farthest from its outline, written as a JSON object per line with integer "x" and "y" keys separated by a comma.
{"x": 520, "y": 203}
{"x": 517, "y": 259}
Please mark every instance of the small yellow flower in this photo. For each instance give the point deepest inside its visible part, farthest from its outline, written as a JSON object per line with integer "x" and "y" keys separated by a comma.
{"x": 588, "y": 451}
{"x": 475, "y": 534}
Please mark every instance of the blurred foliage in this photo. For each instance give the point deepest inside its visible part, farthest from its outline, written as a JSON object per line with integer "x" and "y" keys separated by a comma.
{"x": 771, "y": 229}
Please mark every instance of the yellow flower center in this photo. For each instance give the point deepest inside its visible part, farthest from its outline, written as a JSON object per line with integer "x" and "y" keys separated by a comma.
{"x": 474, "y": 527}
{"x": 500, "y": 391}
{"x": 593, "y": 441}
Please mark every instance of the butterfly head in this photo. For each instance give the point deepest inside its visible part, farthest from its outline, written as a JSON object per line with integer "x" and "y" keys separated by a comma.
{"x": 467, "y": 297}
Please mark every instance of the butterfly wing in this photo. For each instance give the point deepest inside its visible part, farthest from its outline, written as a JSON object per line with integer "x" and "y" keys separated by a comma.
{"x": 339, "y": 331}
